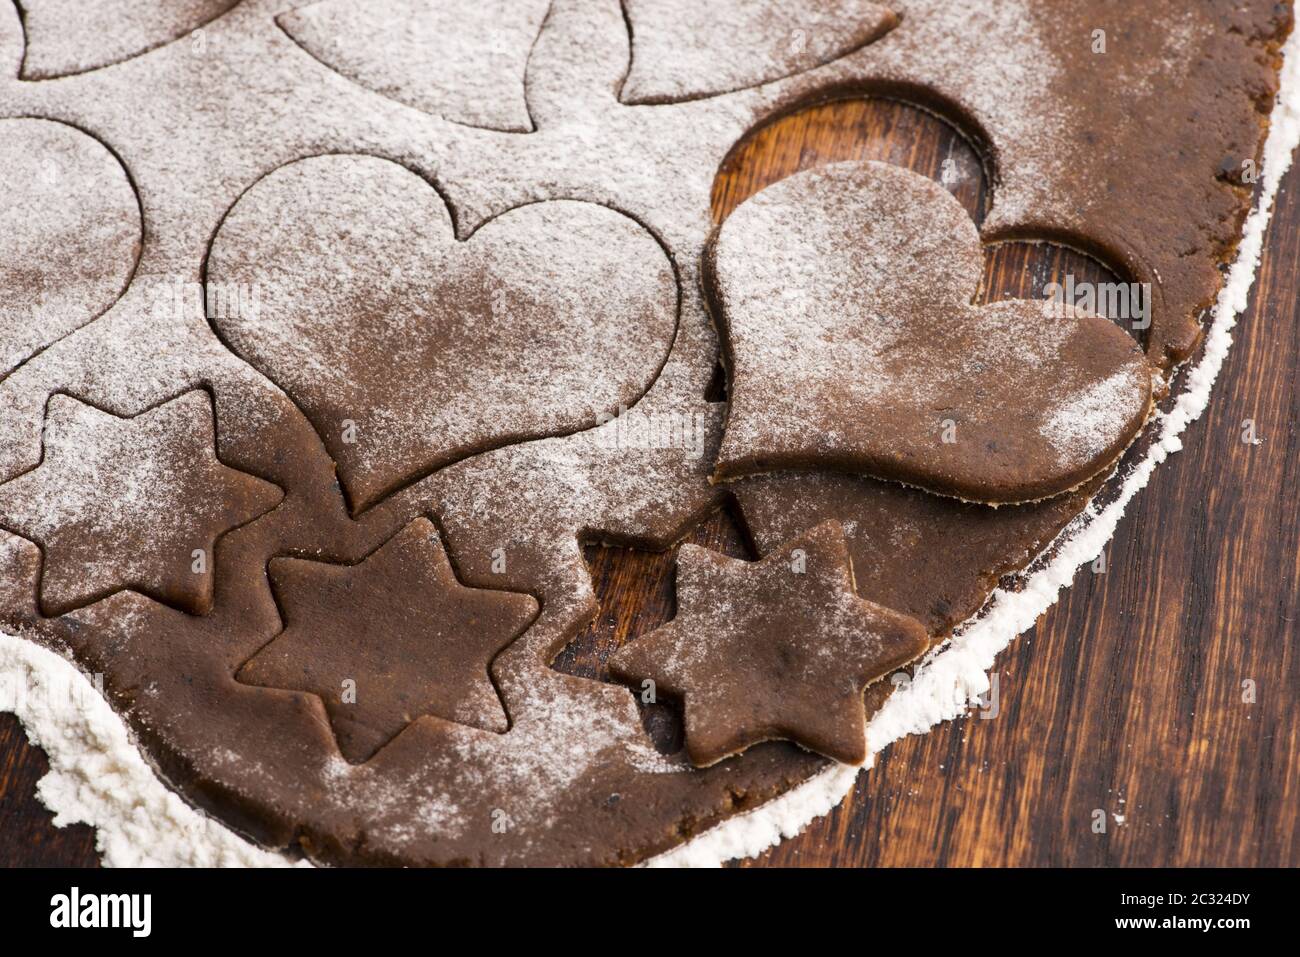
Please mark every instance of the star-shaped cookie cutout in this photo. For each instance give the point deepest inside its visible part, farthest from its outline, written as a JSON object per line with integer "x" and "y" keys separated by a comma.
{"x": 130, "y": 503}
{"x": 389, "y": 639}
{"x": 779, "y": 648}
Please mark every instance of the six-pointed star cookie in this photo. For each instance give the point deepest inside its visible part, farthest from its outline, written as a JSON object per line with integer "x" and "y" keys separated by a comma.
{"x": 133, "y": 503}
{"x": 780, "y": 648}
{"x": 389, "y": 639}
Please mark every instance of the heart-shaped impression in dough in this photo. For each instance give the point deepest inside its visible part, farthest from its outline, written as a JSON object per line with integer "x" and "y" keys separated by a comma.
{"x": 70, "y": 234}
{"x": 845, "y": 293}
{"x": 408, "y": 349}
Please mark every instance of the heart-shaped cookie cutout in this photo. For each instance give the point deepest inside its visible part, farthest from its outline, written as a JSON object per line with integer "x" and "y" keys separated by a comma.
{"x": 845, "y": 297}
{"x": 341, "y": 279}
{"x": 69, "y": 234}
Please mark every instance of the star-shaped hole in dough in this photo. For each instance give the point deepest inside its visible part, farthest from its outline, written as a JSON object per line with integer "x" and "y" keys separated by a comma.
{"x": 389, "y": 639}
{"x": 779, "y": 648}
{"x": 130, "y": 503}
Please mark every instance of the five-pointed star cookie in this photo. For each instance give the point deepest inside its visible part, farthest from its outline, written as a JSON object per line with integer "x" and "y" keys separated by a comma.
{"x": 135, "y": 503}
{"x": 389, "y": 639}
{"x": 779, "y": 648}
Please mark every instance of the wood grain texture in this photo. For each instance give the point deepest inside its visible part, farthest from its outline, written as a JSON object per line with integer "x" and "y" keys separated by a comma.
{"x": 1127, "y": 696}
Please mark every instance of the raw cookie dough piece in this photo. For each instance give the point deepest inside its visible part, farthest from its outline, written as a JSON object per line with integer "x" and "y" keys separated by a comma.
{"x": 575, "y": 773}
{"x": 69, "y": 234}
{"x": 389, "y": 639}
{"x": 72, "y": 36}
{"x": 779, "y": 648}
{"x": 130, "y": 503}
{"x": 685, "y": 49}
{"x": 409, "y": 349}
{"x": 460, "y": 59}
{"x": 844, "y": 293}
{"x": 928, "y": 556}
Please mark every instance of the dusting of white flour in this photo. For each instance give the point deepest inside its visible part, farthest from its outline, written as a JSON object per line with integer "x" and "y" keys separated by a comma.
{"x": 955, "y": 675}
{"x": 97, "y": 775}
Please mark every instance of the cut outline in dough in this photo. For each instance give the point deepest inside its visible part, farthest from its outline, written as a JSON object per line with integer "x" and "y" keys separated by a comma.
{"x": 618, "y": 92}
{"x": 209, "y": 391}
{"x": 696, "y": 97}
{"x": 523, "y": 80}
{"x": 725, "y": 498}
{"x": 1131, "y": 269}
{"x": 6, "y": 374}
{"x": 458, "y": 236}
{"x": 22, "y": 65}
{"x": 19, "y": 27}
{"x": 441, "y": 536}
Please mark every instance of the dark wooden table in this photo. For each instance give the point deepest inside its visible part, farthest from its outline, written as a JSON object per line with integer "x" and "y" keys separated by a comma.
{"x": 1128, "y": 696}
